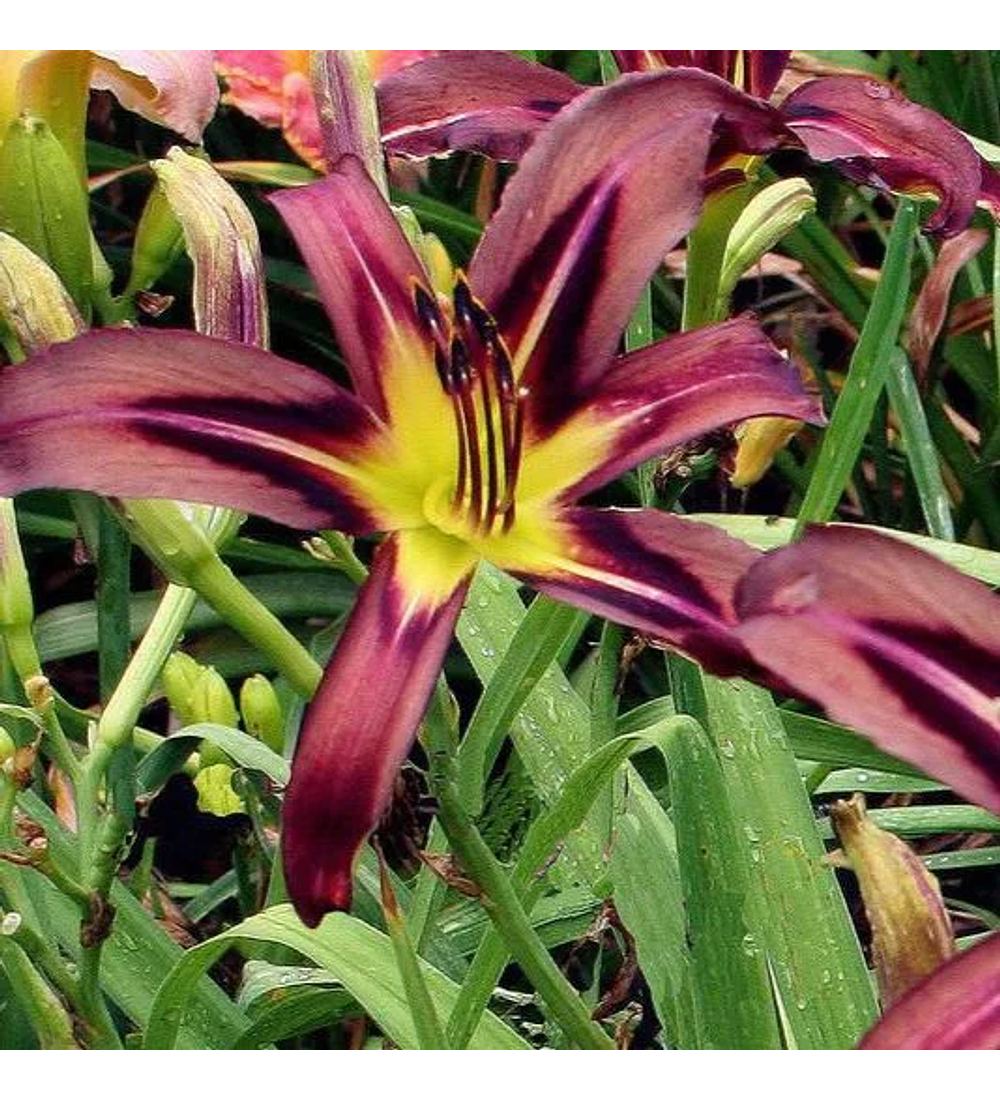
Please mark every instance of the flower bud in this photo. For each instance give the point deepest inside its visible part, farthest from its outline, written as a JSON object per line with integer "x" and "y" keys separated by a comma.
{"x": 159, "y": 241}
{"x": 757, "y": 442}
{"x": 221, "y": 238}
{"x": 911, "y": 933}
{"x": 212, "y": 701}
{"x": 766, "y": 218}
{"x": 7, "y": 747}
{"x": 179, "y": 675}
{"x": 43, "y": 204}
{"x": 16, "y": 608}
{"x": 34, "y": 305}
{"x": 261, "y": 711}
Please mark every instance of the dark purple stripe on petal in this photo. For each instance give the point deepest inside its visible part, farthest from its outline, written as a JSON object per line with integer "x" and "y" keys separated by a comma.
{"x": 358, "y": 731}
{"x": 669, "y": 578}
{"x": 877, "y": 136}
{"x": 166, "y": 414}
{"x": 887, "y": 639}
{"x": 956, "y": 1008}
{"x": 762, "y": 70}
{"x": 365, "y": 271}
{"x": 482, "y": 101}
{"x": 687, "y": 385}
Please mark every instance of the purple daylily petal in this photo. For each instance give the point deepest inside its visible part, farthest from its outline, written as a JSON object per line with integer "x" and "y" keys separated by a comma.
{"x": 956, "y": 1008}
{"x": 685, "y": 386}
{"x": 359, "y": 728}
{"x": 667, "y": 577}
{"x": 365, "y": 271}
{"x": 182, "y": 416}
{"x": 483, "y": 101}
{"x": 890, "y": 641}
{"x": 608, "y": 188}
{"x": 876, "y": 136}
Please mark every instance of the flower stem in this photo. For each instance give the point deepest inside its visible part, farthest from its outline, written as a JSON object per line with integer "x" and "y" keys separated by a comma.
{"x": 499, "y": 898}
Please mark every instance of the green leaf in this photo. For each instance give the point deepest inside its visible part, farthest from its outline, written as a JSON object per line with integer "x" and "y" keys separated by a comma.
{"x": 71, "y": 629}
{"x": 843, "y": 438}
{"x": 800, "y": 919}
{"x": 734, "y": 1009}
{"x": 168, "y": 757}
{"x": 920, "y": 450}
{"x": 357, "y": 955}
{"x": 286, "y": 1002}
{"x": 531, "y": 651}
{"x": 769, "y": 532}
{"x": 909, "y": 821}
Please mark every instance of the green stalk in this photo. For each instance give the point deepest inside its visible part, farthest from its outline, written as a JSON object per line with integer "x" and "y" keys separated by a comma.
{"x": 430, "y": 1035}
{"x": 44, "y": 1010}
{"x": 216, "y": 584}
{"x": 499, "y": 898}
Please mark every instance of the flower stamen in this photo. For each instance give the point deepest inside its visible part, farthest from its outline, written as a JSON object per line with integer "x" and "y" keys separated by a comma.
{"x": 475, "y": 371}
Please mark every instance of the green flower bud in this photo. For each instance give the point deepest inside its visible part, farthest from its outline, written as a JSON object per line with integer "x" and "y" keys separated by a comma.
{"x": 212, "y": 701}
{"x": 261, "y": 711}
{"x": 214, "y": 785}
{"x": 159, "y": 241}
{"x": 180, "y": 674}
{"x": 44, "y": 205}
{"x": 767, "y": 217}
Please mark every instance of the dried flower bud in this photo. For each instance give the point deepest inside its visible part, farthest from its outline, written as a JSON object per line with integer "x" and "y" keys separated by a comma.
{"x": 911, "y": 933}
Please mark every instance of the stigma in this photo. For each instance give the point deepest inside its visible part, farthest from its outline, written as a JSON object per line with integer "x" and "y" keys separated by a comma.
{"x": 474, "y": 368}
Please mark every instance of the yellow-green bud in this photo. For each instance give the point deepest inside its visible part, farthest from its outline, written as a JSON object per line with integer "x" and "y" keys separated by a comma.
{"x": 33, "y": 302}
{"x": 221, "y": 238}
{"x": 180, "y": 674}
{"x": 766, "y": 218}
{"x": 261, "y": 711}
{"x": 212, "y": 701}
{"x": 158, "y": 242}
{"x": 43, "y": 204}
{"x": 214, "y": 785}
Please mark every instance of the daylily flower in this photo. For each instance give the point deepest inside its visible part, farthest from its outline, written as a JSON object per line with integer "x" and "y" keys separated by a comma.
{"x": 275, "y": 88}
{"x": 480, "y": 413}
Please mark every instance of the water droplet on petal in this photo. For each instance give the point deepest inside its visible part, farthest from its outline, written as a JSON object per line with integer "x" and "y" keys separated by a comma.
{"x": 875, "y": 90}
